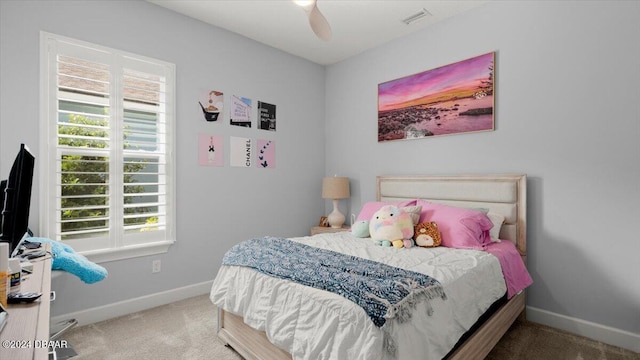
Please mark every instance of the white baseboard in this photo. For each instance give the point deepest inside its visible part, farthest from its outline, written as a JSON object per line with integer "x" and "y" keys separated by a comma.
{"x": 603, "y": 333}
{"x": 130, "y": 306}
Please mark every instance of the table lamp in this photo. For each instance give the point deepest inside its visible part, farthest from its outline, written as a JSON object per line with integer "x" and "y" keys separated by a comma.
{"x": 335, "y": 188}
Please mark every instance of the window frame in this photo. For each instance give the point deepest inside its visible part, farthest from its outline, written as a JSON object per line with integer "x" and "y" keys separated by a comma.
{"x": 120, "y": 246}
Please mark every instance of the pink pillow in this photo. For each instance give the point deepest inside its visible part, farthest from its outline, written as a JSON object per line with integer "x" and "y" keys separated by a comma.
{"x": 460, "y": 228}
{"x": 368, "y": 209}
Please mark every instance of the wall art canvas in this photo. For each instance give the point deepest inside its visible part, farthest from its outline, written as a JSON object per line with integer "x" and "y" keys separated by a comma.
{"x": 452, "y": 99}
{"x": 241, "y": 111}
{"x": 212, "y": 105}
{"x": 266, "y": 116}
{"x": 210, "y": 150}
{"x": 266, "y": 154}
{"x": 241, "y": 151}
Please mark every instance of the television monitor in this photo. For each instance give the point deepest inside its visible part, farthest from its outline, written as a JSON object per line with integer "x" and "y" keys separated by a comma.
{"x": 3, "y": 186}
{"x": 14, "y": 222}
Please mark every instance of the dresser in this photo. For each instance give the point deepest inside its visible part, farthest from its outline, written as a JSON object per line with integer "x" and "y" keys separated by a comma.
{"x": 26, "y": 334}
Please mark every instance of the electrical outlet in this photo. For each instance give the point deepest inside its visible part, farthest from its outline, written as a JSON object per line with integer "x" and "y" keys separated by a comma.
{"x": 155, "y": 266}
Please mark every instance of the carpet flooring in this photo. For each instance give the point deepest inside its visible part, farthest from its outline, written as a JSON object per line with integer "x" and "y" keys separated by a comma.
{"x": 187, "y": 330}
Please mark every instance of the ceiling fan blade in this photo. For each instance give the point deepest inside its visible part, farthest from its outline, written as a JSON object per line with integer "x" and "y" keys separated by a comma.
{"x": 319, "y": 24}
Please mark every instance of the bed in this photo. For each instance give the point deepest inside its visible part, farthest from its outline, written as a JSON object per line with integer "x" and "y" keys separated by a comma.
{"x": 503, "y": 194}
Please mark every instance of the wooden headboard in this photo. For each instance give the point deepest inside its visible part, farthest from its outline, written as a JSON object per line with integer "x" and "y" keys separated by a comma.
{"x": 504, "y": 194}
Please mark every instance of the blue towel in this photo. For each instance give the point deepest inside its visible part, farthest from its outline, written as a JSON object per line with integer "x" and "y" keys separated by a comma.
{"x": 66, "y": 259}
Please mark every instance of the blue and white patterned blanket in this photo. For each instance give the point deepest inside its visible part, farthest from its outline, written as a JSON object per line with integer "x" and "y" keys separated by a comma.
{"x": 384, "y": 292}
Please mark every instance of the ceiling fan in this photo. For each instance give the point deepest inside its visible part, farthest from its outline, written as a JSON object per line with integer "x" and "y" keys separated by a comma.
{"x": 318, "y": 22}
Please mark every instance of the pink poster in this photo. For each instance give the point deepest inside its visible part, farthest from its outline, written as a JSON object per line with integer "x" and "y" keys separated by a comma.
{"x": 210, "y": 150}
{"x": 266, "y": 154}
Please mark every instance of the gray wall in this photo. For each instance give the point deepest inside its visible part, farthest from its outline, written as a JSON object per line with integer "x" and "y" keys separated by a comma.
{"x": 216, "y": 207}
{"x": 567, "y": 114}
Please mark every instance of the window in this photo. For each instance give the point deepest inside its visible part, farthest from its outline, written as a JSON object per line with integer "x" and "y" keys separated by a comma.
{"x": 107, "y": 151}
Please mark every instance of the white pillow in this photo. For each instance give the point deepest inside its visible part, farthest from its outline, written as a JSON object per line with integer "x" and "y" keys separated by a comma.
{"x": 497, "y": 220}
{"x": 414, "y": 212}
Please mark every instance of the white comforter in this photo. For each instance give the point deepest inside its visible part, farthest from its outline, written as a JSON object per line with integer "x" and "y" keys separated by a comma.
{"x": 316, "y": 324}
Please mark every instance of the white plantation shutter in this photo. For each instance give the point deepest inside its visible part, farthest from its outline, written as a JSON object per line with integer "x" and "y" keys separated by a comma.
{"x": 109, "y": 129}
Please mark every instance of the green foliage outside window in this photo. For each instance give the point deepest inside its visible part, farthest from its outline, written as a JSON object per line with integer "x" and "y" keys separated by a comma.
{"x": 85, "y": 179}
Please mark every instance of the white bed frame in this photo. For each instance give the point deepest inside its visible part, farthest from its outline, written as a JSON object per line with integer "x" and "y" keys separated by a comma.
{"x": 505, "y": 194}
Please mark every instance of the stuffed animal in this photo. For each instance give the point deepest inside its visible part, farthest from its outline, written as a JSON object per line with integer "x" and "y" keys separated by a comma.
{"x": 65, "y": 258}
{"x": 399, "y": 244}
{"x": 427, "y": 234}
{"x": 360, "y": 228}
{"x": 391, "y": 226}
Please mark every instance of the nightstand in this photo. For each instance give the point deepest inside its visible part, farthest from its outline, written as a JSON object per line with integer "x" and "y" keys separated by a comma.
{"x": 324, "y": 229}
{"x": 27, "y": 325}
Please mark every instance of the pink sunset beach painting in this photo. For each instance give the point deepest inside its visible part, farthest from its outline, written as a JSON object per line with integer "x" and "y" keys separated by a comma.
{"x": 455, "y": 98}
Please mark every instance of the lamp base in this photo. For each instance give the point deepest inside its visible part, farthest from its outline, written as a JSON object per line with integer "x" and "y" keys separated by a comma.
{"x": 336, "y": 218}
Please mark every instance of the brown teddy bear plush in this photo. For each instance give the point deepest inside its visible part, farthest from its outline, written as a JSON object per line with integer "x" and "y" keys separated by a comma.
{"x": 427, "y": 234}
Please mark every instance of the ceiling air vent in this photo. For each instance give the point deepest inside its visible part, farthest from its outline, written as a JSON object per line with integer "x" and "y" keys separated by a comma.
{"x": 417, "y": 16}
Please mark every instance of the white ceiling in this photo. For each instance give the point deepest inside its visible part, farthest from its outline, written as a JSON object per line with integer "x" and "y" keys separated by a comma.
{"x": 357, "y": 25}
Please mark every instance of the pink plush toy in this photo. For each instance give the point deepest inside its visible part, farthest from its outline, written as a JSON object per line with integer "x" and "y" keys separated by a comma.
{"x": 391, "y": 226}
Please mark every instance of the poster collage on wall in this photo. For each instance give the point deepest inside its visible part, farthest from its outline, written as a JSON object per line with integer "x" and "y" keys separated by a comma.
{"x": 243, "y": 151}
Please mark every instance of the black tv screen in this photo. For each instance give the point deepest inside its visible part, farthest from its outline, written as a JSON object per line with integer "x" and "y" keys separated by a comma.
{"x": 14, "y": 222}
